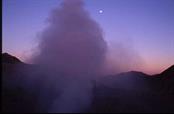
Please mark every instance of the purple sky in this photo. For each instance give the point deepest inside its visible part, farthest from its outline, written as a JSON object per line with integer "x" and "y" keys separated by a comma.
{"x": 145, "y": 25}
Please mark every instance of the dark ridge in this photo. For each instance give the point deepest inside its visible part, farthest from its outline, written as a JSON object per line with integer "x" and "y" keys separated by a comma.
{"x": 7, "y": 58}
{"x": 135, "y": 73}
{"x": 132, "y": 92}
{"x": 166, "y": 74}
{"x": 169, "y": 71}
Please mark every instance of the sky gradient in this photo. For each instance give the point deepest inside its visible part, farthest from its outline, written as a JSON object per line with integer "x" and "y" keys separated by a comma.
{"x": 147, "y": 26}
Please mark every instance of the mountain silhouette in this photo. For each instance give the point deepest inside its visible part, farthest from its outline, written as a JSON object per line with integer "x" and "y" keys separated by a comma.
{"x": 135, "y": 92}
{"x": 7, "y": 58}
{"x": 125, "y": 92}
{"x": 168, "y": 73}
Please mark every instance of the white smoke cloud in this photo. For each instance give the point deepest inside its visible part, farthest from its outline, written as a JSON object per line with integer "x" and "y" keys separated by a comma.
{"x": 73, "y": 41}
{"x": 72, "y": 52}
{"x": 73, "y": 44}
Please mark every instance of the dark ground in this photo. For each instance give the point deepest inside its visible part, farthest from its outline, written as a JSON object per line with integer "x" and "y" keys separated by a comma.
{"x": 126, "y": 92}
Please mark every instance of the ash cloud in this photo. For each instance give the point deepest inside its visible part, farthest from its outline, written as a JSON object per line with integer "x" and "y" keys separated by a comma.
{"x": 72, "y": 44}
{"x": 71, "y": 54}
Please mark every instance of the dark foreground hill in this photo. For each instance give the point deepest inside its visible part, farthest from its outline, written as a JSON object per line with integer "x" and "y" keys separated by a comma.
{"x": 7, "y": 58}
{"x": 125, "y": 92}
{"x": 136, "y": 92}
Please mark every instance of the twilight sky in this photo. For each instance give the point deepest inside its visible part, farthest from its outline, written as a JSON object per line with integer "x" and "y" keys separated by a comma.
{"x": 147, "y": 26}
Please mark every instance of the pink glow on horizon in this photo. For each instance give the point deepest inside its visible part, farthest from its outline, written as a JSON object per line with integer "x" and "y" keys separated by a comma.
{"x": 112, "y": 68}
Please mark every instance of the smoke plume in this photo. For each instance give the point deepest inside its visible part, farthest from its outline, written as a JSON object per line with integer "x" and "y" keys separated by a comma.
{"x": 72, "y": 44}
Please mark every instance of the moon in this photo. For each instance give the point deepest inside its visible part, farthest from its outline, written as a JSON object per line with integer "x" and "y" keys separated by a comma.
{"x": 100, "y": 11}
